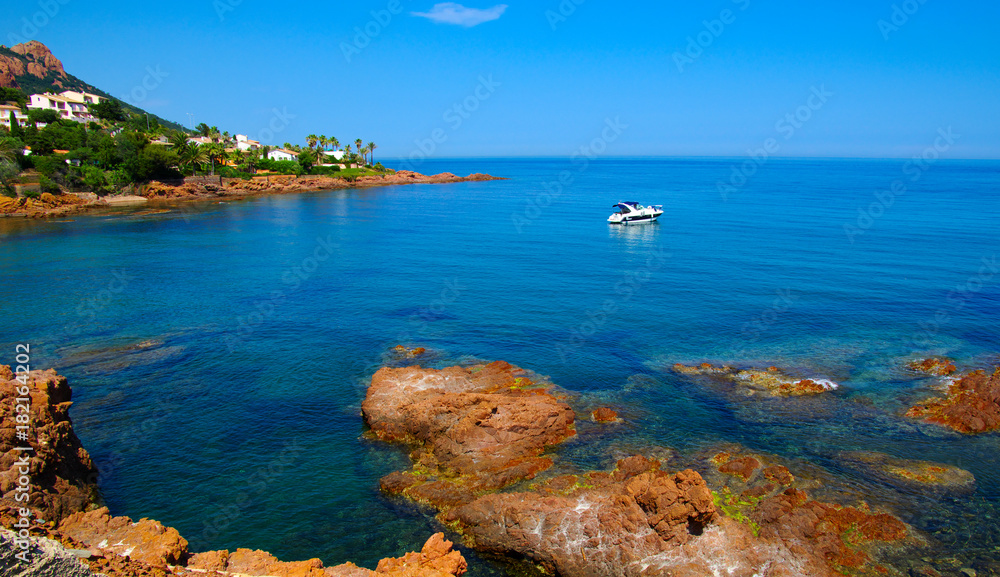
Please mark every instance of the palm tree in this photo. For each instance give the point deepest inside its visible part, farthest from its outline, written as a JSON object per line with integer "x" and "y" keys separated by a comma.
{"x": 371, "y": 151}
{"x": 311, "y": 140}
{"x": 193, "y": 156}
{"x": 203, "y": 129}
{"x": 251, "y": 160}
{"x": 358, "y": 144}
{"x": 347, "y": 151}
{"x": 334, "y": 143}
{"x": 214, "y": 135}
{"x": 214, "y": 151}
{"x": 9, "y": 150}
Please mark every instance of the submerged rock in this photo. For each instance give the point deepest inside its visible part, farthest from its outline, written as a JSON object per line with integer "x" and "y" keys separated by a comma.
{"x": 604, "y": 415}
{"x": 473, "y": 429}
{"x": 771, "y": 382}
{"x": 909, "y": 474}
{"x": 635, "y": 520}
{"x": 938, "y": 366}
{"x": 971, "y": 405}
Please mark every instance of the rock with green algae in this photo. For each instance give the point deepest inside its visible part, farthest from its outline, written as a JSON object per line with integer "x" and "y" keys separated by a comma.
{"x": 909, "y": 474}
{"x": 772, "y": 382}
{"x": 472, "y": 429}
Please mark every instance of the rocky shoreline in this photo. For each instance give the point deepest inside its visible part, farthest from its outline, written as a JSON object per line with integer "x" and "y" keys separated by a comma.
{"x": 205, "y": 188}
{"x": 68, "y": 534}
{"x": 480, "y": 440}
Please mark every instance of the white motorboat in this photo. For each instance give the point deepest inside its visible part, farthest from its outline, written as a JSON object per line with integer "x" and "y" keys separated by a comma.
{"x": 635, "y": 213}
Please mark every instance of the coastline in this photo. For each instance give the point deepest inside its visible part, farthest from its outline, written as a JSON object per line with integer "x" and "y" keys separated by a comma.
{"x": 752, "y": 510}
{"x": 208, "y": 188}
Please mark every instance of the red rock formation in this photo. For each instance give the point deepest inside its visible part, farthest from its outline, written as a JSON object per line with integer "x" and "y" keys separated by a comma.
{"x": 436, "y": 559}
{"x": 604, "y": 524}
{"x": 10, "y": 69}
{"x": 604, "y": 415}
{"x": 743, "y": 467}
{"x": 971, "y": 405}
{"x": 40, "y": 59}
{"x": 939, "y": 366}
{"x": 63, "y": 477}
{"x": 474, "y": 429}
{"x": 147, "y": 541}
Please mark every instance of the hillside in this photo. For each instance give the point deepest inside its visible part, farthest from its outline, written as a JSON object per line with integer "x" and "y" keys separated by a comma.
{"x": 33, "y": 68}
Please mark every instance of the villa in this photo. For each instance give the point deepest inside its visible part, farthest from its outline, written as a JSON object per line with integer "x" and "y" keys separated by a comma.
{"x": 5, "y": 111}
{"x": 243, "y": 142}
{"x": 282, "y": 154}
{"x": 70, "y": 105}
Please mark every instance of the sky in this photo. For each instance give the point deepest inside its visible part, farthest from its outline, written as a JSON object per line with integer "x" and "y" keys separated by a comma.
{"x": 872, "y": 78}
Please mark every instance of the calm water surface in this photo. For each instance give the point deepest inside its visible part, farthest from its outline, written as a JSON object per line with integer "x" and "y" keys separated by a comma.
{"x": 223, "y": 349}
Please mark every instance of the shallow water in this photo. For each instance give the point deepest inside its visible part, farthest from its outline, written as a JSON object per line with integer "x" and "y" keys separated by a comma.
{"x": 220, "y": 349}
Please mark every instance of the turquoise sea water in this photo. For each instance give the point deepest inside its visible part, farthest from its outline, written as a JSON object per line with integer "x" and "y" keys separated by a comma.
{"x": 219, "y": 352}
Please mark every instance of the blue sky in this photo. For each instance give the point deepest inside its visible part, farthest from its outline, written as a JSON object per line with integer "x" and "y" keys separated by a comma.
{"x": 542, "y": 78}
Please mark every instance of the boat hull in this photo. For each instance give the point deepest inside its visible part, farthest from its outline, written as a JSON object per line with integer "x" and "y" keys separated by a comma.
{"x": 637, "y": 219}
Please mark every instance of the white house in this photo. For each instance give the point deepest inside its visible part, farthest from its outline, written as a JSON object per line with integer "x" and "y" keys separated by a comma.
{"x": 336, "y": 154}
{"x": 82, "y": 97}
{"x": 68, "y": 108}
{"x": 20, "y": 117}
{"x": 243, "y": 142}
{"x": 199, "y": 140}
{"x": 282, "y": 154}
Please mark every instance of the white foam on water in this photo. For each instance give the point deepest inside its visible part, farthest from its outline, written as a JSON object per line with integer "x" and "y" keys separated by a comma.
{"x": 826, "y": 384}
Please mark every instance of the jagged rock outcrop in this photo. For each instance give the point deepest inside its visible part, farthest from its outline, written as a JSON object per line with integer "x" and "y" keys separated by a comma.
{"x": 147, "y": 541}
{"x": 473, "y": 429}
{"x": 594, "y": 524}
{"x": 772, "y": 382}
{"x": 10, "y": 69}
{"x": 63, "y": 478}
{"x": 436, "y": 559}
{"x": 36, "y": 60}
{"x": 971, "y": 404}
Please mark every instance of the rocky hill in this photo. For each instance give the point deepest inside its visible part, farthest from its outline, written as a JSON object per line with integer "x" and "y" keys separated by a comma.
{"x": 32, "y": 68}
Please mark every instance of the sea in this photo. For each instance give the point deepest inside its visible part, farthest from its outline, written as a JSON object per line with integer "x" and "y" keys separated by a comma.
{"x": 219, "y": 351}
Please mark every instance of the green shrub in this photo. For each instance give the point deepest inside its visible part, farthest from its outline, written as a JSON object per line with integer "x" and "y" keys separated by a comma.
{"x": 326, "y": 170}
{"x": 47, "y": 185}
{"x": 95, "y": 180}
{"x": 48, "y": 165}
{"x": 32, "y": 194}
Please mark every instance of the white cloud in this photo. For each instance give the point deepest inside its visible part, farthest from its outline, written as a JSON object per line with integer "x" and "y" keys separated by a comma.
{"x": 454, "y": 13}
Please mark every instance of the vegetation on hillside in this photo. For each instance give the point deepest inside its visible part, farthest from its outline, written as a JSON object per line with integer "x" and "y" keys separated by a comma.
{"x": 123, "y": 149}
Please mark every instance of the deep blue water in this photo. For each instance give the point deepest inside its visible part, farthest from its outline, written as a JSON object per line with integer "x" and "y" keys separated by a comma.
{"x": 264, "y": 319}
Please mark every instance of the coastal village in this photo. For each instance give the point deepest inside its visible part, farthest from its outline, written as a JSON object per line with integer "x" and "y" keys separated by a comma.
{"x": 66, "y": 145}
